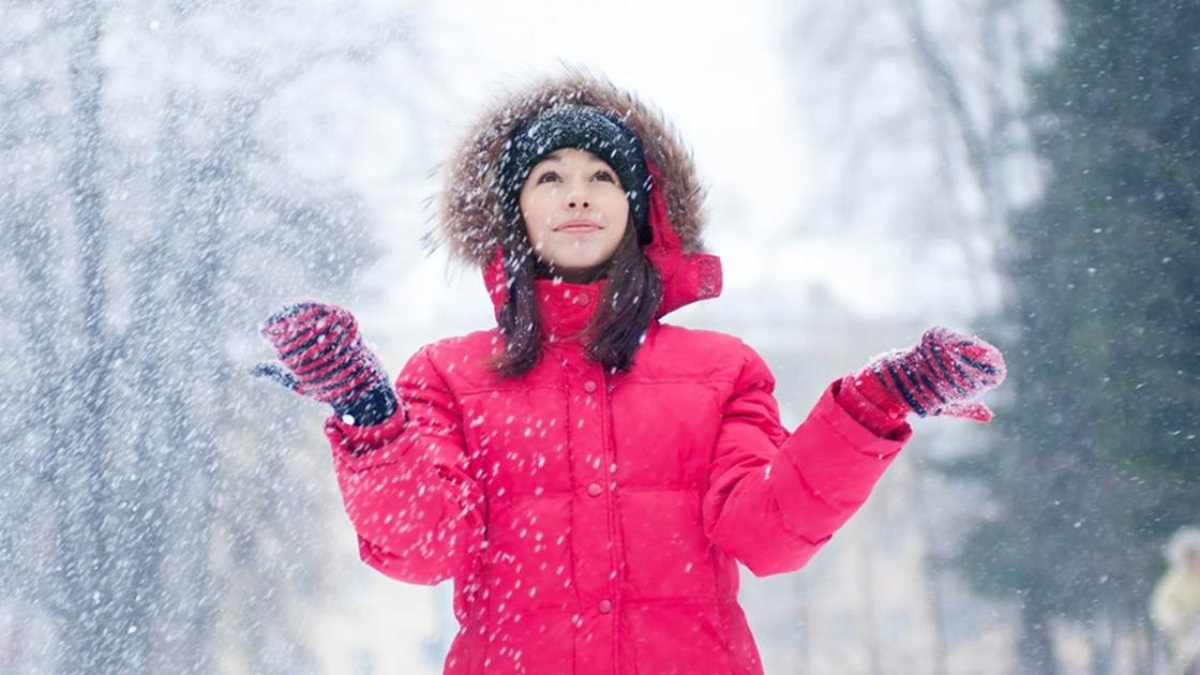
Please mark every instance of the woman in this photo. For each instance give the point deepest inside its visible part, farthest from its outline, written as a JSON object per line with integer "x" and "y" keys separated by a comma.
{"x": 588, "y": 475}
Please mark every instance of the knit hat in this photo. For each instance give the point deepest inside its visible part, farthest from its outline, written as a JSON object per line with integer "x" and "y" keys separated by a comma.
{"x": 584, "y": 128}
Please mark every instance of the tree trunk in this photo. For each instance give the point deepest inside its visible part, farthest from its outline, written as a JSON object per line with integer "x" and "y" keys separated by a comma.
{"x": 1036, "y": 646}
{"x": 931, "y": 576}
{"x": 91, "y": 616}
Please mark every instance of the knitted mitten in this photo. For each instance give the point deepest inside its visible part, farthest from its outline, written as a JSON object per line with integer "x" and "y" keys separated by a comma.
{"x": 940, "y": 376}
{"x": 325, "y": 359}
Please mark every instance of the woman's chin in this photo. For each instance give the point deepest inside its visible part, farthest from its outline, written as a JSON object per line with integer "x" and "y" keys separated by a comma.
{"x": 578, "y": 263}
{"x": 577, "y": 271}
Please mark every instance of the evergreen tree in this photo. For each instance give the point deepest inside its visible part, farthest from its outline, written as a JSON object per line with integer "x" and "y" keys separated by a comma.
{"x": 1097, "y": 460}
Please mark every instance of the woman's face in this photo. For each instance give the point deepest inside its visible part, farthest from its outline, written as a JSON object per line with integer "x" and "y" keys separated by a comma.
{"x": 575, "y": 211}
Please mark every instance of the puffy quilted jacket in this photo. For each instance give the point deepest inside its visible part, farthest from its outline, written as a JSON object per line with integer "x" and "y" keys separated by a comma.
{"x": 593, "y": 522}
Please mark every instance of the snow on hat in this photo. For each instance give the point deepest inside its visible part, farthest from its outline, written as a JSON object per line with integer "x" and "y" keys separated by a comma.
{"x": 585, "y": 128}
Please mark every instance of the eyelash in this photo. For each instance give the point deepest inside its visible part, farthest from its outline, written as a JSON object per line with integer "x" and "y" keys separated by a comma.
{"x": 550, "y": 175}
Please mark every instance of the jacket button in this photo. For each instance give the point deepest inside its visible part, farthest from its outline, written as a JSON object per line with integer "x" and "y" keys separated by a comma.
{"x": 595, "y": 490}
{"x": 582, "y": 299}
{"x": 589, "y": 386}
{"x": 605, "y": 606}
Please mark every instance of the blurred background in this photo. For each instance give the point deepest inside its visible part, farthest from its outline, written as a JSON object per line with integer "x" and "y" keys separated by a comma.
{"x": 172, "y": 172}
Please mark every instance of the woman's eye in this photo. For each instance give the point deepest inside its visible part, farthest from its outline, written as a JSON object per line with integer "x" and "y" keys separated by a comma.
{"x": 548, "y": 177}
{"x": 605, "y": 176}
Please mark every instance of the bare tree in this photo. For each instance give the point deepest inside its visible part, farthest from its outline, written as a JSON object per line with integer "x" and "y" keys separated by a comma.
{"x": 143, "y": 461}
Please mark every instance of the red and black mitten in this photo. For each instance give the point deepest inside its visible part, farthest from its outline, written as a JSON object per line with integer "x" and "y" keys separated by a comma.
{"x": 940, "y": 376}
{"x": 326, "y": 360}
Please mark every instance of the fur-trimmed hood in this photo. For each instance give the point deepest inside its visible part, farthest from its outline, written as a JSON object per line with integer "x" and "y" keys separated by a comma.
{"x": 472, "y": 221}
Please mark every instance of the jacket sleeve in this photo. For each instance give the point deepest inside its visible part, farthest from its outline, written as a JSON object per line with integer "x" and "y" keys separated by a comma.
{"x": 774, "y": 498}
{"x": 404, "y": 482}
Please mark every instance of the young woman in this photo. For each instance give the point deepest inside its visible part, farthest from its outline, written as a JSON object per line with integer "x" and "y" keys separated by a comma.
{"x": 588, "y": 475}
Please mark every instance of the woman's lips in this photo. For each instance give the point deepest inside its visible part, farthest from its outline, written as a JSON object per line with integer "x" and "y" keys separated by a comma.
{"x": 577, "y": 226}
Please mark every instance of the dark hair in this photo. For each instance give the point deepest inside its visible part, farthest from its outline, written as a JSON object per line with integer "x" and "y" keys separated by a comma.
{"x": 626, "y": 307}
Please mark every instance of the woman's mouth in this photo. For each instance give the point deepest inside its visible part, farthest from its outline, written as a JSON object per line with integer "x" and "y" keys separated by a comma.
{"x": 577, "y": 226}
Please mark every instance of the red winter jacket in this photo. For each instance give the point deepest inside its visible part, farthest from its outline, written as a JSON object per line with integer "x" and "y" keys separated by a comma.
{"x": 593, "y": 522}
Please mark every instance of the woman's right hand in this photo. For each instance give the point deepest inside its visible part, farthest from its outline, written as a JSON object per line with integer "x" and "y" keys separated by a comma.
{"x": 324, "y": 358}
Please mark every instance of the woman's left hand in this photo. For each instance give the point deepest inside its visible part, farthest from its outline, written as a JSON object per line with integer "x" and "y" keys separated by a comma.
{"x": 942, "y": 375}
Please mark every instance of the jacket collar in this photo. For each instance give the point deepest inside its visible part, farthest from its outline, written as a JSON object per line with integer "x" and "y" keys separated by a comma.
{"x": 566, "y": 309}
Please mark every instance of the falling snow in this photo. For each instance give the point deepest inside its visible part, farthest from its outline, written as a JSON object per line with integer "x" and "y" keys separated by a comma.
{"x": 174, "y": 172}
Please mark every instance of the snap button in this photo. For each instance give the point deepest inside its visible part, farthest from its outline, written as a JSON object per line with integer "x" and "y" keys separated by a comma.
{"x": 582, "y": 299}
{"x": 595, "y": 490}
{"x": 589, "y": 386}
{"x": 605, "y": 606}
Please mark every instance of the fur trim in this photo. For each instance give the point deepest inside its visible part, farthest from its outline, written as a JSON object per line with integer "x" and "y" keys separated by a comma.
{"x": 471, "y": 217}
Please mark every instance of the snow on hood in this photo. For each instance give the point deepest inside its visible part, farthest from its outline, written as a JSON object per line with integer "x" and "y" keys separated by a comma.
{"x": 471, "y": 215}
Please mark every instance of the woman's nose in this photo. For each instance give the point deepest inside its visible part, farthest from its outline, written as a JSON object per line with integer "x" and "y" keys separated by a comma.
{"x": 577, "y": 195}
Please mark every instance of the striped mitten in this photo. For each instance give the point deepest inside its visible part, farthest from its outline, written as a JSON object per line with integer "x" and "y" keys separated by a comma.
{"x": 940, "y": 376}
{"x": 325, "y": 359}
